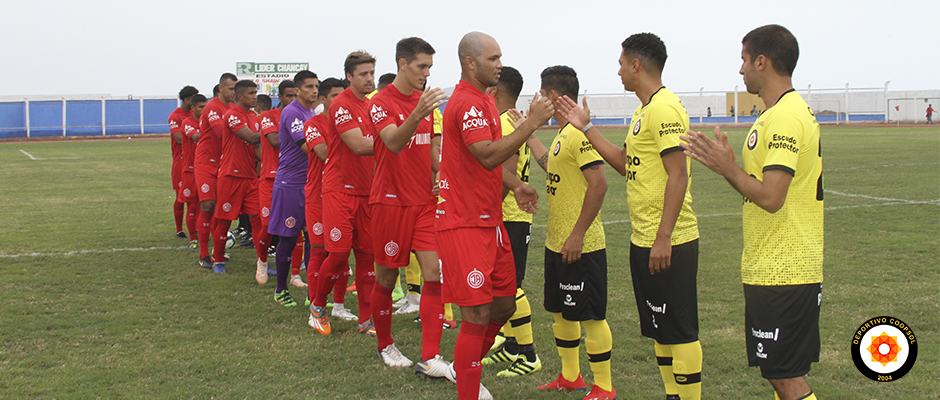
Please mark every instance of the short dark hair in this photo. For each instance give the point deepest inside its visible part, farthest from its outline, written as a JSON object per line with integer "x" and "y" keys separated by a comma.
{"x": 228, "y": 76}
{"x": 301, "y": 76}
{"x": 386, "y": 79}
{"x": 562, "y": 79}
{"x": 647, "y": 47}
{"x": 409, "y": 48}
{"x": 355, "y": 58}
{"x": 264, "y": 102}
{"x": 215, "y": 91}
{"x": 777, "y": 44}
{"x": 284, "y": 85}
{"x": 187, "y": 92}
{"x": 198, "y": 98}
{"x": 510, "y": 80}
{"x": 328, "y": 84}
{"x": 243, "y": 85}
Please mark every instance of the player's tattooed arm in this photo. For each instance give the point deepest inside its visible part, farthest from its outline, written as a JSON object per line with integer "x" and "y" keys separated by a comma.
{"x": 538, "y": 151}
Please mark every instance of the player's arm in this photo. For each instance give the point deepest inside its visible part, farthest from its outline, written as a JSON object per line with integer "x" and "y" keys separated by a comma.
{"x": 539, "y": 151}
{"x": 272, "y": 139}
{"x": 248, "y": 136}
{"x": 177, "y": 137}
{"x": 397, "y": 137}
{"x": 579, "y": 117}
{"x": 717, "y": 155}
{"x": 194, "y": 137}
{"x": 510, "y": 180}
{"x": 258, "y": 154}
{"x": 436, "y": 154}
{"x": 676, "y": 183}
{"x": 492, "y": 154}
{"x": 357, "y": 142}
{"x": 320, "y": 150}
{"x": 593, "y": 200}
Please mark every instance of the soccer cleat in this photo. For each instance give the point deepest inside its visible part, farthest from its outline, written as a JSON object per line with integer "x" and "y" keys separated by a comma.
{"x": 344, "y": 313}
{"x": 194, "y": 244}
{"x": 673, "y": 397}
{"x": 408, "y": 308}
{"x": 393, "y": 358}
{"x": 500, "y": 340}
{"x": 181, "y": 235}
{"x": 521, "y": 367}
{"x": 367, "y": 328}
{"x": 218, "y": 267}
{"x": 450, "y": 324}
{"x": 271, "y": 271}
{"x": 563, "y": 384}
{"x": 500, "y": 356}
{"x": 284, "y": 298}
{"x": 318, "y": 320}
{"x": 205, "y": 262}
{"x": 397, "y": 294}
{"x": 226, "y": 256}
{"x": 400, "y": 303}
{"x": 296, "y": 281}
{"x": 351, "y": 288}
{"x": 247, "y": 242}
{"x": 435, "y": 368}
{"x": 600, "y": 394}
{"x": 261, "y": 273}
{"x": 450, "y": 373}
{"x": 484, "y": 393}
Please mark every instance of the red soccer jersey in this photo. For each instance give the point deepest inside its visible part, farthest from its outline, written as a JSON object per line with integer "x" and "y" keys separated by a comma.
{"x": 346, "y": 172}
{"x": 176, "y": 126}
{"x": 313, "y": 134}
{"x": 188, "y": 154}
{"x": 209, "y": 148}
{"x": 403, "y": 179}
{"x": 470, "y": 195}
{"x": 269, "y": 154}
{"x": 238, "y": 157}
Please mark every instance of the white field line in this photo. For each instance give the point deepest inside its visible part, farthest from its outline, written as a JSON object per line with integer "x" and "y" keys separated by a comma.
{"x": 876, "y": 166}
{"x": 81, "y": 252}
{"x": 28, "y": 155}
{"x": 862, "y": 196}
{"x": 43, "y": 159}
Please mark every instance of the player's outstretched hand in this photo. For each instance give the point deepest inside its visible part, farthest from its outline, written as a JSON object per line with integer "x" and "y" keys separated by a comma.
{"x": 515, "y": 117}
{"x": 577, "y": 116}
{"x": 430, "y": 99}
{"x": 541, "y": 109}
{"x": 716, "y": 154}
{"x": 527, "y": 198}
{"x": 571, "y": 250}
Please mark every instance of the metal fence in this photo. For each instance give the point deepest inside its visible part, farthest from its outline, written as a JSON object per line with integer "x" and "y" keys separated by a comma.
{"x": 70, "y": 117}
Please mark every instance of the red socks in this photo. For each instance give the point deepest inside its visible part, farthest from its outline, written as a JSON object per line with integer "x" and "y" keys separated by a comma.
{"x": 467, "y": 359}
{"x": 264, "y": 241}
{"x": 339, "y": 288}
{"x": 490, "y": 336}
{"x": 191, "y": 209}
{"x": 365, "y": 279}
{"x": 204, "y": 221}
{"x": 432, "y": 320}
{"x": 218, "y": 240}
{"x": 260, "y": 250}
{"x": 178, "y": 214}
{"x": 317, "y": 255}
{"x": 297, "y": 256}
{"x": 382, "y": 314}
{"x": 330, "y": 271}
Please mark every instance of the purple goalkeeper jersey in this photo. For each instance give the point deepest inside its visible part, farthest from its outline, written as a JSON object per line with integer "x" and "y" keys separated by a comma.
{"x": 292, "y": 161}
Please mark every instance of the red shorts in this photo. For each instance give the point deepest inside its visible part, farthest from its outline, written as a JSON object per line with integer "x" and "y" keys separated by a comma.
{"x": 476, "y": 265}
{"x": 175, "y": 173}
{"x": 236, "y": 196}
{"x": 187, "y": 191}
{"x": 206, "y": 176}
{"x": 399, "y": 230}
{"x": 348, "y": 224}
{"x": 313, "y": 208}
{"x": 265, "y": 187}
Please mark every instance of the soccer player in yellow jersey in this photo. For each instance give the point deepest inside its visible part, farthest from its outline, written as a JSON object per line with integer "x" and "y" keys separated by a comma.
{"x": 781, "y": 181}
{"x": 575, "y": 247}
{"x": 664, "y": 243}
{"x": 517, "y": 344}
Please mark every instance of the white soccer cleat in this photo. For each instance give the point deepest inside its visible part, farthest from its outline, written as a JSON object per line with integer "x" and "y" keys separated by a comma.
{"x": 451, "y": 375}
{"x": 261, "y": 274}
{"x": 341, "y": 312}
{"x": 401, "y": 302}
{"x": 433, "y": 368}
{"x": 408, "y": 308}
{"x": 393, "y": 357}
{"x": 296, "y": 281}
{"x": 484, "y": 393}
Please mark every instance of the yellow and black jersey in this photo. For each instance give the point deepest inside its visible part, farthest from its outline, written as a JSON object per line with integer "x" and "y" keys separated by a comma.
{"x": 438, "y": 121}
{"x": 570, "y": 154}
{"x": 785, "y": 247}
{"x": 511, "y": 210}
{"x": 655, "y": 130}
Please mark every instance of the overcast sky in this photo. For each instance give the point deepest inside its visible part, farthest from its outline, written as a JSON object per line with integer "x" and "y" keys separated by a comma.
{"x": 156, "y": 47}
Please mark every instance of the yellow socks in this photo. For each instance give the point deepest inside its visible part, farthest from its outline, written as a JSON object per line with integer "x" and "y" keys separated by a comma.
{"x": 664, "y": 359}
{"x": 599, "y": 343}
{"x": 567, "y": 340}
{"x": 687, "y": 368}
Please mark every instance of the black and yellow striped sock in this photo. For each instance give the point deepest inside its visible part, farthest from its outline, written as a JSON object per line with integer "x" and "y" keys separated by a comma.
{"x": 664, "y": 359}
{"x": 413, "y": 275}
{"x": 521, "y": 326}
{"x": 687, "y": 367}
{"x": 568, "y": 340}
{"x": 599, "y": 344}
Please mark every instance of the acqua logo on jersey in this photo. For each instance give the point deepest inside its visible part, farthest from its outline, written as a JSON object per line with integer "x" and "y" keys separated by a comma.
{"x": 312, "y": 133}
{"x": 378, "y": 113}
{"x": 473, "y": 119}
{"x": 266, "y": 123}
{"x": 213, "y": 116}
{"x": 342, "y": 116}
{"x": 233, "y": 121}
{"x": 297, "y": 125}
{"x": 189, "y": 130}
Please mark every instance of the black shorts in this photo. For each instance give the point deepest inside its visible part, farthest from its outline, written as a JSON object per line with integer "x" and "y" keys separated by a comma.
{"x": 519, "y": 234}
{"x": 781, "y": 326}
{"x": 667, "y": 302}
{"x": 578, "y": 291}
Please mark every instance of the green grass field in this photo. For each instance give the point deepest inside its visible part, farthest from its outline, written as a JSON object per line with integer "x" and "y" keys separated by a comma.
{"x": 99, "y": 300}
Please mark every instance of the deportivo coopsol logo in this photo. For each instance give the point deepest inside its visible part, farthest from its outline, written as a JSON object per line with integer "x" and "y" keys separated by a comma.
{"x": 636, "y": 128}
{"x": 290, "y": 222}
{"x": 391, "y": 249}
{"x": 475, "y": 279}
{"x": 752, "y": 140}
{"x": 204, "y": 188}
{"x": 557, "y": 148}
{"x": 318, "y": 229}
{"x": 884, "y": 349}
{"x": 336, "y": 234}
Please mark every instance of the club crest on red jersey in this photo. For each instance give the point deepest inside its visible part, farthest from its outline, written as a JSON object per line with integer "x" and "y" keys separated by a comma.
{"x": 227, "y": 207}
{"x": 318, "y": 229}
{"x": 336, "y": 234}
{"x": 391, "y": 249}
{"x": 265, "y": 212}
{"x": 475, "y": 279}
{"x": 186, "y": 193}
{"x": 204, "y": 188}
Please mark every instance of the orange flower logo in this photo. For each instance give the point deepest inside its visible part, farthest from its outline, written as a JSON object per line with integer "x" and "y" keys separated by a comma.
{"x": 884, "y": 348}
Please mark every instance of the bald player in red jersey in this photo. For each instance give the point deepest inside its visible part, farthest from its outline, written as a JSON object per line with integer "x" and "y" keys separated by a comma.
{"x": 403, "y": 202}
{"x": 347, "y": 183}
{"x": 237, "y": 191}
{"x": 208, "y": 156}
{"x": 187, "y": 192}
{"x": 478, "y": 270}
{"x": 176, "y": 148}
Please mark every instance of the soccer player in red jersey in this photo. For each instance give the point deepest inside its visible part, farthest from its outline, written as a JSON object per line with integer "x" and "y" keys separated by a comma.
{"x": 237, "y": 191}
{"x": 403, "y": 202}
{"x": 176, "y": 147}
{"x": 347, "y": 183}
{"x": 208, "y": 154}
{"x": 187, "y": 191}
{"x": 478, "y": 271}
{"x": 270, "y": 120}
{"x": 316, "y": 147}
